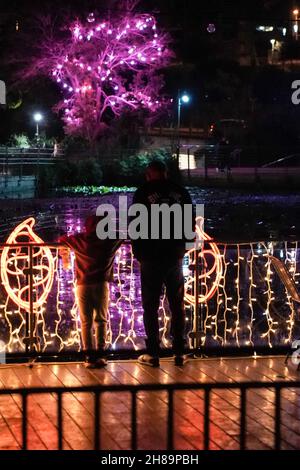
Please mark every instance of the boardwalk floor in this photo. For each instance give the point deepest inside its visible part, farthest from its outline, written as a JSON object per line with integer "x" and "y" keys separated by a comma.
{"x": 78, "y": 408}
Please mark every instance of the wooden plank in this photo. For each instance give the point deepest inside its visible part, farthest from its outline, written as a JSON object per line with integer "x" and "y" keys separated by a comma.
{"x": 42, "y": 408}
{"x": 108, "y": 403}
{"x": 7, "y": 439}
{"x": 10, "y": 409}
{"x": 148, "y": 375}
{"x": 193, "y": 418}
{"x": 151, "y": 434}
{"x": 78, "y": 409}
{"x": 219, "y": 435}
{"x": 78, "y": 425}
{"x": 232, "y": 397}
{"x": 207, "y": 371}
{"x": 118, "y": 431}
{"x": 260, "y": 402}
{"x": 290, "y": 410}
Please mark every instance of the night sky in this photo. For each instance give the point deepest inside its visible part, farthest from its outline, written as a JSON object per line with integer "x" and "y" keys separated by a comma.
{"x": 200, "y": 57}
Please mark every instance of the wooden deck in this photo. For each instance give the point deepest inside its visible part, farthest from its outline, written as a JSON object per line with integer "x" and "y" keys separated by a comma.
{"x": 152, "y": 406}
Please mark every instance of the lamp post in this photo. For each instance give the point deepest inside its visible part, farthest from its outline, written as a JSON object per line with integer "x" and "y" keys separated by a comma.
{"x": 296, "y": 27}
{"x": 183, "y": 98}
{"x": 273, "y": 42}
{"x": 38, "y": 117}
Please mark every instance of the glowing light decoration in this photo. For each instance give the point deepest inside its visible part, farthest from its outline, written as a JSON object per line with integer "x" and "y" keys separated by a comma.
{"x": 15, "y": 266}
{"x": 105, "y": 68}
{"x": 211, "y": 266}
{"x": 243, "y": 301}
{"x": 211, "y": 28}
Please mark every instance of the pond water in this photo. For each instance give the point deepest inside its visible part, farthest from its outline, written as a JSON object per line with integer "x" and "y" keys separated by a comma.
{"x": 229, "y": 215}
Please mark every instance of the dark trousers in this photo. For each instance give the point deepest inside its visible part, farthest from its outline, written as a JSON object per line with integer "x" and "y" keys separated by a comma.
{"x": 153, "y": 276}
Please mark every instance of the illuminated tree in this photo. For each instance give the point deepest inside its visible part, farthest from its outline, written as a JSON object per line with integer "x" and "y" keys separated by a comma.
{"x": 105, "y": 68}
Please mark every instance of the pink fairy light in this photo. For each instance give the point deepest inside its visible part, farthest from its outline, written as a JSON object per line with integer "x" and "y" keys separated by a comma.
{"x": 76, "y": 31}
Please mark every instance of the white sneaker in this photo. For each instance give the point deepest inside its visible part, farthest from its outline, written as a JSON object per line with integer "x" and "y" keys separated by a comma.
{"x": 147, "y": 360}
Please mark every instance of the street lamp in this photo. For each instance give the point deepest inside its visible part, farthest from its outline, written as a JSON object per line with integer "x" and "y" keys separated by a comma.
{"x": 182, "y": 99}
{"x": 273, "y": 42}
{"x": 296, "y": 26}
{"x": 38, "y": 117}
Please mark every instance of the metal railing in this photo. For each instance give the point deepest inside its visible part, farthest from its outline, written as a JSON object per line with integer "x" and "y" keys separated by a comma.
{"x": 171, "y": 389}
{"x": 205, "y": 318}
{"x": 17, "y": 162}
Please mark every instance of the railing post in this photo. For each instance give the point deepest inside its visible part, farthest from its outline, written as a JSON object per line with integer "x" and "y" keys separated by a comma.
{"x": 170, "y": 442}
{"x": 6, "y": 168}
{"x": 178, "y": 158}
{"x": 38, "y": 165}
{"x": 133, "y": 420}
{"x": 189, "y": 163}
{"x": 24, "y": 420}
{"x": 206, "y": 417}
{"x": 196, "y": 298}
{"x": 97, "y": 433}
{"x": 3, "y": 161}
{"x": 243, "y": 419}
{"x": 59, "y": 421}
{"x": 277, "y": 418}
{"x": 21, "y": 166}
{"x": 205, "y": 168}
{"x": 31, "y": 304}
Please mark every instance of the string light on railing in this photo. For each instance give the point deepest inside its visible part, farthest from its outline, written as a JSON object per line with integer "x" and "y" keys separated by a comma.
{"x": 226, "y": 319}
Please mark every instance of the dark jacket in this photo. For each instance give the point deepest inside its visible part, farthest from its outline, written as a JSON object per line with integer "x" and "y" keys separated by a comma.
{"x": 94, "y": 258}
{"x": 161, "y": 192}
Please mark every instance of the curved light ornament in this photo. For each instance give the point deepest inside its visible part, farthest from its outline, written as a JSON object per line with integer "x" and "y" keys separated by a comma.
{"x": 211, "y": 270}
{"x": 15, "y": 263}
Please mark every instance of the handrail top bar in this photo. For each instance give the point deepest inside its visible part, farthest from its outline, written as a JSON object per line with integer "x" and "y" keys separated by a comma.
{"x": 28, "y": 244}
{"x": 135, "y": 388}
{"x": 58, "y": 245}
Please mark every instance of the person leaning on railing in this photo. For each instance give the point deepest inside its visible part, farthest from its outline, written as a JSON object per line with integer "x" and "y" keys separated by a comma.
{"x": 161, "y": 263}
{"x": 94, "y": 260}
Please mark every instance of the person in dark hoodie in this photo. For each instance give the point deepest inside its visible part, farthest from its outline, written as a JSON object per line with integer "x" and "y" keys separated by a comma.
{"x": 161, "y": 264}
{"x": 94, "y": 260}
